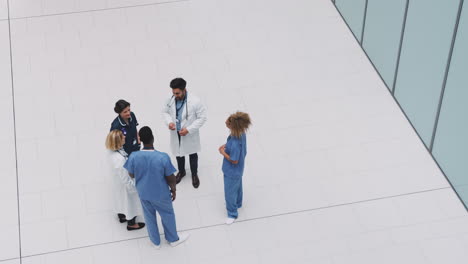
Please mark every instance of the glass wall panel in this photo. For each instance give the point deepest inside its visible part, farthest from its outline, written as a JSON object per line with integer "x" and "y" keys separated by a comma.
{"x": 426, "y": 45}
{"x": 451, "y": 142}
{"x": 382, "y": 34}
{"x": 353, "y": 12}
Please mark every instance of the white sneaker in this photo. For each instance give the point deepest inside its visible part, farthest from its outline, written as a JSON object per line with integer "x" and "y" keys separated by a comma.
{"x": 230, "y": 220}
{"x": 157, "y": 247}
{"x": 182, "y": 238}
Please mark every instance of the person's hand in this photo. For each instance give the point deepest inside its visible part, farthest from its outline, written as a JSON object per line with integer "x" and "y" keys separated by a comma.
{"x": 183, "y": 132}
{"x": 222, "y": 149}
{"x": 173, "y": 195}
{"x": 172, "y": 126}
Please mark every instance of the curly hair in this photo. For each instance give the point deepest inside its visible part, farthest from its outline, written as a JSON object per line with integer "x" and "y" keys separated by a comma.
{"x": 239, "y": 122}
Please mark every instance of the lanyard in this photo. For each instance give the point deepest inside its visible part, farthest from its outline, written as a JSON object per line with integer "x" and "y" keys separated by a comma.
{"x": 123, "y": 153}
{"x": 178, "y": 108}
{"x": 182, "y": 105}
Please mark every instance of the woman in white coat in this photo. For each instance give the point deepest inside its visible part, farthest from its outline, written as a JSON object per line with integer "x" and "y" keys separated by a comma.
{"x": 126, "y": 201}
{"x": 184, "y": 115}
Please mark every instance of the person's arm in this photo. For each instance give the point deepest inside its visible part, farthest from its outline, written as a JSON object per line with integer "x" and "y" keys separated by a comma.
{"x": 222, "y": 150}
{"x": 121, "y": 172}
{"x": 127, "y": 179}
{"x": 129, "y": 167}
{"x": 171, "y": 181}
{"x": 136, "y": 124}
{"x": 114, "y": 125}
{"x": 200, "y": 111}
{"x": 170, "y": 178}
{"x": 166, "y": 114}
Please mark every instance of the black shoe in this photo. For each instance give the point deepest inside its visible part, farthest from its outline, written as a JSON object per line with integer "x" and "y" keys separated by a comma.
{"x": 195, "y": 181}
{"x": 122, "y": 218}
{"x": 179, "y": 177}
{"x": 140, "y": 226}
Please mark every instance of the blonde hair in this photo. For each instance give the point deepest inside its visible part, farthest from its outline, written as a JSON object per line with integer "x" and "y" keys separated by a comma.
{"x": 239, "y": 122}
{"x": 114, "y": 140}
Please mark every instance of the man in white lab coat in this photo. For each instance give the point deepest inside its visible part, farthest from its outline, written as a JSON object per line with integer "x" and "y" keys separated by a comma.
{"x": 184, "y": 115}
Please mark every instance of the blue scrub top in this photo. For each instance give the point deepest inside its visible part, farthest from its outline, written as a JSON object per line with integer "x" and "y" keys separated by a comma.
{"x": 150, "y": 169}
{"x": 179, "y": 109}
{"x": 130, "y": 132}
{"x": 236, "y": 148}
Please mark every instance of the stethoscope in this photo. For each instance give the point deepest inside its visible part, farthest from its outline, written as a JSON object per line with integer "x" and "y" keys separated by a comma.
{"x": 172, "y": 101}
{"x": 123, "y": 153}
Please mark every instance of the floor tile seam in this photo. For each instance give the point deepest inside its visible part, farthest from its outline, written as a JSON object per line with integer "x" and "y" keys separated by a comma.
{"x": 18, "y": 214}
{"x": 98, "y": 10}
{"x": 10, "y": 259}
{"x": 401, "y": 226}
{"x": 345, "y": 204}
{"x": 247, "y": 220}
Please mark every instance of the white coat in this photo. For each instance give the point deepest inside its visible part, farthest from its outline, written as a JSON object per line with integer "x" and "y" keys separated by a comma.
{"x": 193, "y": 118}
{"x": 126, "y": 200}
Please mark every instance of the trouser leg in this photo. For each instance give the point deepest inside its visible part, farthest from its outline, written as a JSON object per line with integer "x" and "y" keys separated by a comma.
{"x": 180, "y": 160}
{"x": 166, "y": 211}
{"x": 121, "y": 217}
{"x": 131, "y": 221}
{"x": 149, "y": 212}
{"x": 194, "y": 163}
{"x": 240, "y": 194}
{"x": 231, "y": 191}
{"x": 181, "y": 164}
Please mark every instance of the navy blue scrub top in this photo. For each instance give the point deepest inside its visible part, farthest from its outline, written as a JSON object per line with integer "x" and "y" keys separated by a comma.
{"x": 130, "y": 132}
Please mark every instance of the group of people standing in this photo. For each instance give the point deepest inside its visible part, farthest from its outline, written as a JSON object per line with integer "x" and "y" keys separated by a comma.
{"x": 144, "y": 178}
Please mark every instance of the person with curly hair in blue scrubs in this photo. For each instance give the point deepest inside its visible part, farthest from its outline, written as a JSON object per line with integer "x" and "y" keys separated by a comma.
{"x": 234, "y": 152}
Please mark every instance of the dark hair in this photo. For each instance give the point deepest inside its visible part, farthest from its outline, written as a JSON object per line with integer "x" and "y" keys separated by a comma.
{"x": 120, "y": 106}
{"x": 146, "y": 135}
{"x": 178, "y": 83}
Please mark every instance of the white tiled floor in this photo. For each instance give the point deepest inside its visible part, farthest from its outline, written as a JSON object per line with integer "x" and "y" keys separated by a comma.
{"x": 335, "y": 174}
{"x": 30, "y": 8}
{"x": 341, "y": 234}
{"x": 11, "y": 261}
{"x": 3, "y": 9}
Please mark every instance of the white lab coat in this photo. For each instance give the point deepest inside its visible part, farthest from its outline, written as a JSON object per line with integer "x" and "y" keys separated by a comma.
{"x": 193, "y": 118}
{"x": 126, "y": 200}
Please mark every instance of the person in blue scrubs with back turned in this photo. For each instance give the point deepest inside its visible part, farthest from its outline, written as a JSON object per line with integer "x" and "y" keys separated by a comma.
{"x": 156, "y": 186}
{"x": 234, "y": 152}
{"x": 127, "y": 123}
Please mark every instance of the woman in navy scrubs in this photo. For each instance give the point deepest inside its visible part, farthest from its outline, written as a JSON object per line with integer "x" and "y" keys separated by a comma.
{"x": 126, "y": 122}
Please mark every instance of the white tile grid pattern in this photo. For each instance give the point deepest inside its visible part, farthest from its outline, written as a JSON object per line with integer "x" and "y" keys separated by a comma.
{"x": 31, "y": 8}
{"x": 9, "y": 238}
{"x": 3, "y": 9}
{"x": 318, "y": 236}
{"x": 11, "y": 261}
{"x": 348, "y": 143}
